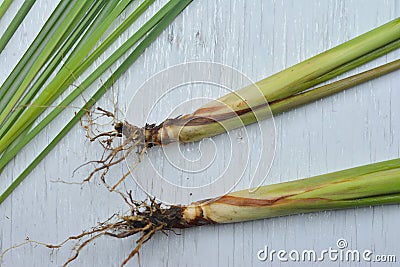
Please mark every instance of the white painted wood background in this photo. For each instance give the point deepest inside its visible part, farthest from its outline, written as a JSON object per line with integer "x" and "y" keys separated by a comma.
{"x": 259, "y": 38}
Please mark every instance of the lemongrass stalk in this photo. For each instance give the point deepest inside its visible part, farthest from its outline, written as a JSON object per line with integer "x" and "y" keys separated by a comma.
{"x": 353, "y": 64}
{"x": 237, "y": 109}
{"x": 332, "y": 88}
{"x": 290, "y": 81}
{"x": 374, "y": 184}
{"x": 298, "y": 100}
{"x": 168, "y": 131}
{"x": 368, "y": 185}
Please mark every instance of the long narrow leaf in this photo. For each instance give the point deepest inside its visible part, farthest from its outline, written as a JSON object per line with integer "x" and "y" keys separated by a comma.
{"x": 93, "y": 76}
{"x": 53, "y": 89}
{"x": 62, "y": 31}
{"x": 14, "y": 80}
{"x": 58, "y": 84}
{"x": 55, "y": 61}
{"x": 166, "y": 20}
{"x": 4, "y": 7}
{"x": 26, "y": 6}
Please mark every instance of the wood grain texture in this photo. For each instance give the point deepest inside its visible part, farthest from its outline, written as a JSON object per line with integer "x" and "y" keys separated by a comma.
{"x": 259, "y": 38}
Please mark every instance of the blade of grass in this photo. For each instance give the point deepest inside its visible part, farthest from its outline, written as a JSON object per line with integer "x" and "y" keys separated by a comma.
{"x": 53, "y": 87}
{"x": 4, "y": 7}
{"x": 93, "y": 76}
{"x": 15, "y": 78}
{"x": 73, "y": 40}
{"x": 37, "y": 106}
{"x": 19, "y": 17}
{"x": 165, "y": 21}
{"x": 78, "y": 10}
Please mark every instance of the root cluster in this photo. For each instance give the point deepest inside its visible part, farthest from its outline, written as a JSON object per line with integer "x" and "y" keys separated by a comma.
{"x": 145, "y": 218}
{"x": 133, "y": 142}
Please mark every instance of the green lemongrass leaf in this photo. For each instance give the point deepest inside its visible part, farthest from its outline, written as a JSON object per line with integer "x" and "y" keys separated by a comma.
{"x": 373, "y": 184}
{"x": 52, "y": 89}
{"x": 85, "y": 25}
{"x": 75, "y": 13}
{"x": 15, "y": 78}
{"x": 19, "y": 17}
{"x": 114, "y": 35}
{"x": 6, "y": 157}
{"x": 68, "y": 70}
{"x": 101, "y": 16}
{"x": 37, "y": 106}
{"x": 4, "y": 7}
{"x": 164, "y": 22}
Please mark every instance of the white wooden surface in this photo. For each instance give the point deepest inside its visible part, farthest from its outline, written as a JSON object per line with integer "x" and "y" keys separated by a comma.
{"x": 258, "y": 38}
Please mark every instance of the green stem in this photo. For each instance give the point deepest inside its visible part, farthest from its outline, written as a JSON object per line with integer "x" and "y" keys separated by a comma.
{"x": 236, "y": 109}
{"x": 289, "y": 81}
{"x": 351, "y": 65}
{"x": 189, "y": 130}
{"x": 332, "y": 88}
